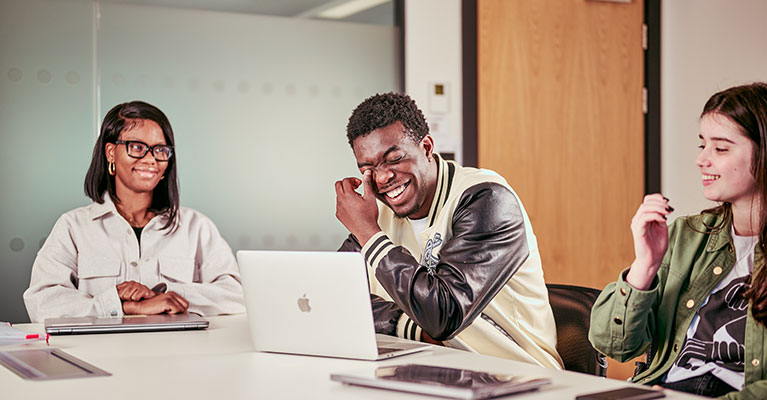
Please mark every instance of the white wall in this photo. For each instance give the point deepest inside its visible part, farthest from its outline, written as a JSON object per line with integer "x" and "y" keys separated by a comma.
{"x": 433, "y": 55}
{"x": 707, "y": 46}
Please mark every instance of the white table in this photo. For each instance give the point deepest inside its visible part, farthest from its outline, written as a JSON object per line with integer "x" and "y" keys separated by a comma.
{"x": 219, "y": 364}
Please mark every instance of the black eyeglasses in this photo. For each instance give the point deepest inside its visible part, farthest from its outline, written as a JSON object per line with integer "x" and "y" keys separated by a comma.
{"x": 137, "y": 149}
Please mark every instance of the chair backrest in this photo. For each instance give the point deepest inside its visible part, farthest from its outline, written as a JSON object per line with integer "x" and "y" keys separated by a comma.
{"x": 572, "y": 311}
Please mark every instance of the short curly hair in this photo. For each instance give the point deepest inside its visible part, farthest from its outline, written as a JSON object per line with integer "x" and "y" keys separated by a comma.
{"x": 383, "y": 110}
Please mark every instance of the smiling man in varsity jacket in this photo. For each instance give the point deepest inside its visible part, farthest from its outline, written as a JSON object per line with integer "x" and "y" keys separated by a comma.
{"x": 450, "y": 252}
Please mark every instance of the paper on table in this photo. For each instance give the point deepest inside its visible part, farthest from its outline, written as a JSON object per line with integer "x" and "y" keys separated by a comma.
{"x": 10, "y": 335}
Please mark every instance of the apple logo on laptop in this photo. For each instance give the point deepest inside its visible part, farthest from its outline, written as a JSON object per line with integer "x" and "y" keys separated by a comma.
{"x": 303, "y": 304}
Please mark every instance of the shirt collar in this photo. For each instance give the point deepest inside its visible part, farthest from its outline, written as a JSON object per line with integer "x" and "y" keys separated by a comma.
{"x": 721, "y": 236}
{"x": 107, "y": 206}
{"x": 442, "y": 191}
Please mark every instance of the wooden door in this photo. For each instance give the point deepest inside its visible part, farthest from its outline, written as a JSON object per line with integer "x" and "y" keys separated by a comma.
{"x": 560, "y": 117}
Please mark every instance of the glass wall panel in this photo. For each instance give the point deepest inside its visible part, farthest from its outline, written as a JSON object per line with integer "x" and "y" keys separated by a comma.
{"x": 46, "y": 130}
{"x": 259, "y": 105}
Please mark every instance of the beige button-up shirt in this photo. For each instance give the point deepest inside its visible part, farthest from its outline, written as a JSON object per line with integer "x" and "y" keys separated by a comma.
{"x": 92, "y": 249}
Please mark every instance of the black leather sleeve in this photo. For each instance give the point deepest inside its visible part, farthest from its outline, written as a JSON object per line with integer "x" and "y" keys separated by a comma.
{"x": 488, "y": 245}
{"x": 350, "y": 244}
{"x": 385, "y": 313}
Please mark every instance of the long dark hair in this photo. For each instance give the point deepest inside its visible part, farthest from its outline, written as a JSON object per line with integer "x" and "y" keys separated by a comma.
{"x": 121, "y": 118}
{"x": 746, "y": 106}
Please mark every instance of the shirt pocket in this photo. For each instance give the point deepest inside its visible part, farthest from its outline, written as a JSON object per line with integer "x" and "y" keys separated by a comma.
{"x": 96, "y": 275}
{"x": 177, "y": 269}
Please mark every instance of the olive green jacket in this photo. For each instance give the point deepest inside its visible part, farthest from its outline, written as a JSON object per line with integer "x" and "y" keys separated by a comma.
{"x": 624, "y": 320}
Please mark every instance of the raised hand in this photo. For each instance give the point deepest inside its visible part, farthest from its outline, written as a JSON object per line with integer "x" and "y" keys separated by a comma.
{"x": 650, "y": 232}
{"x": 358, "y": 213}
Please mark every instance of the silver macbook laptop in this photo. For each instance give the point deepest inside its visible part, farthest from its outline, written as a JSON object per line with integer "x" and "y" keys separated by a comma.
{"x": 313, "y": 303}
{"x": 126, "y": 323}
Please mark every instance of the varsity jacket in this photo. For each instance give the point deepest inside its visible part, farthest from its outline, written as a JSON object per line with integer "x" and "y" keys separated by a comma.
{"x": 472, "y": 279}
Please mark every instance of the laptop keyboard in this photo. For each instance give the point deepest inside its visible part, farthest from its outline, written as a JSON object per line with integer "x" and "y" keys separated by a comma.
{"x": 387, "y": 350}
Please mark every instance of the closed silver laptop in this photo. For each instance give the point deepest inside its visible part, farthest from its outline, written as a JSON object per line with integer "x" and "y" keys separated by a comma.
{"x": 126, "y": 323}
{"x": 313, "y": 303}
{"x": 439, "y": 381}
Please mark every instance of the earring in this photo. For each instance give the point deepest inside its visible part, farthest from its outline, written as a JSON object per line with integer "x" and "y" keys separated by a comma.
{"x": 111, "y": 168}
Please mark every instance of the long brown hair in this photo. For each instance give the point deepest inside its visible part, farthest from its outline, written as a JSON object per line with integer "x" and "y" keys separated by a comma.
{"x": 746, "y": 106}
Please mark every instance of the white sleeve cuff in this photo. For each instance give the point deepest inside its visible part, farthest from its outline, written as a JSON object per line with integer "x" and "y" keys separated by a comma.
{"x": 408, "y": 329}
{"x": 108, "y": 303}
{"x": 178, "y": 288}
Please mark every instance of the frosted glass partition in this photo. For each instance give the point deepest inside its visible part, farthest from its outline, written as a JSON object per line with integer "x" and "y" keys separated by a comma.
{"x": 259, "y": 106}
{"x": 46, "y": 130}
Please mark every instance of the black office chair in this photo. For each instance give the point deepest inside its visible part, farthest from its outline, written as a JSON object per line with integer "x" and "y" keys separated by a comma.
{"x": 572, "y": 310}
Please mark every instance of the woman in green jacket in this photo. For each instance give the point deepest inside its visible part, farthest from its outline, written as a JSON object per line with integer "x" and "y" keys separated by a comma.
{"x": 696, "y": 293}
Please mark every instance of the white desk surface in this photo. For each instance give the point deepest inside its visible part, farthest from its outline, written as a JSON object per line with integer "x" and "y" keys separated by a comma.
{"x": 219, "y": 364}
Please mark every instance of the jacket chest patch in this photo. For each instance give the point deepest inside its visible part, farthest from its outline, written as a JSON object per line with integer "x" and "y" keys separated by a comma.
{"x": 428, "y": 259}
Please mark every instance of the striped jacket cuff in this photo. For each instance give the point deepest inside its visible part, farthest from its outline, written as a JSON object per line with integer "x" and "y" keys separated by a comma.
{"x": 376, "y": 249}
{"x": 408, "y": 329}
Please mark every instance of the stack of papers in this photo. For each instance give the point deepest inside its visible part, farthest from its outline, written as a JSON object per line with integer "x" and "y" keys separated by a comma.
{"x": 11, "y": 336}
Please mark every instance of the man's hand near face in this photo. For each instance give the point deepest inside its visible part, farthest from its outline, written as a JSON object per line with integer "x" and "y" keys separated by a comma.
{"x": 358, "y": 213}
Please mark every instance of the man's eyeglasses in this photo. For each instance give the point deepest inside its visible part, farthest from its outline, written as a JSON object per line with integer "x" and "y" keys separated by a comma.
{"x": 137, "y": 149}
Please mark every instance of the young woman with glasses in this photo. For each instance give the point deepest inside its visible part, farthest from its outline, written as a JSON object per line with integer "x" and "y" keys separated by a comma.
{"x": 696, "y": 293}
{"x": 134, "y": 250}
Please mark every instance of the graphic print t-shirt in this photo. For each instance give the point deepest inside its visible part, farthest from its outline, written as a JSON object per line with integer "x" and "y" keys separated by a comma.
{"x": 715, "y": 340}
